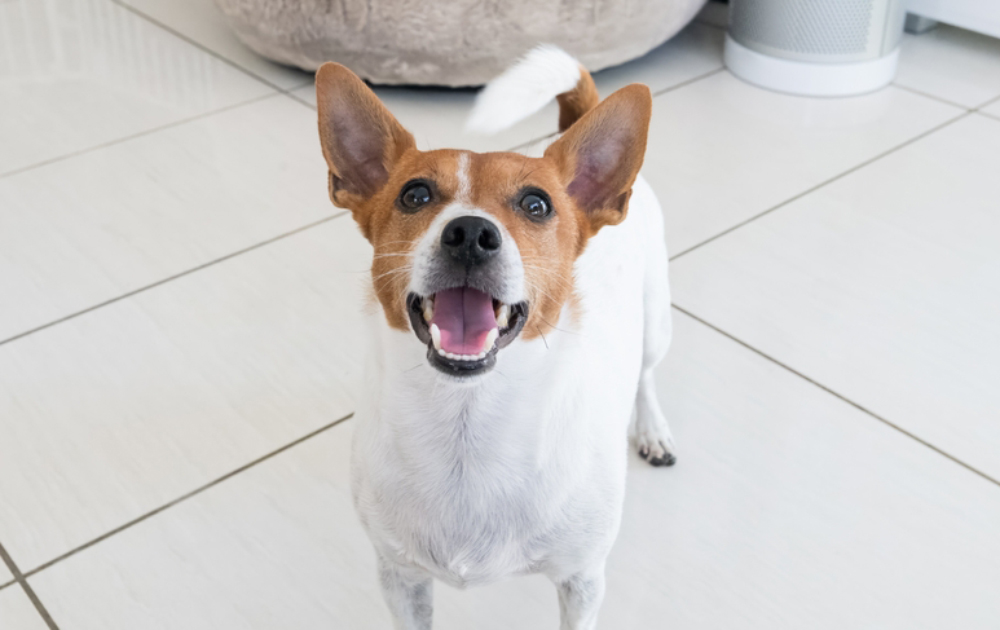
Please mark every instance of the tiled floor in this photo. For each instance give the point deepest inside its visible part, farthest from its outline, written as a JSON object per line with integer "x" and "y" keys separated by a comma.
{"x": 178, "y": 367}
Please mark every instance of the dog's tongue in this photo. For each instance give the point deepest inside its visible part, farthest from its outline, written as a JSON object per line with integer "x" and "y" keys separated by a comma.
{"x": 464, "y": 316}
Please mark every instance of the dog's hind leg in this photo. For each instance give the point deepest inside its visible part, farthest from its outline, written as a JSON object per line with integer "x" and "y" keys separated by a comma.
{"x": 580, "y": 598}
{"x": 652, "y": 435}
{"x": 409, "y": 594}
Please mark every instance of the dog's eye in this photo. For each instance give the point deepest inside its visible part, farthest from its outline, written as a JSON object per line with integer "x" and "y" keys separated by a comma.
{"x": 535, "y": 204}
{"x": 415, "y": 195}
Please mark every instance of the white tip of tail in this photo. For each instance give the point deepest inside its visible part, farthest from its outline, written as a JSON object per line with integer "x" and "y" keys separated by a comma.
{"x": 523, "y": 89}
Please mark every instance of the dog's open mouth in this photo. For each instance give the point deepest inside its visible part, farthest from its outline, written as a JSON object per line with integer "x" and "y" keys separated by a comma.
{"x": 464, "y": 328}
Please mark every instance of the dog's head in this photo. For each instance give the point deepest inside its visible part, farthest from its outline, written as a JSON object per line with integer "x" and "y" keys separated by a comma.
{"x": 473, "y": 250}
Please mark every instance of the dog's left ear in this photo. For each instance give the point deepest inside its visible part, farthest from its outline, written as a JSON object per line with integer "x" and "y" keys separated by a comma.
{"x": 600, "y": 155}
{"x": 361, "y": 140}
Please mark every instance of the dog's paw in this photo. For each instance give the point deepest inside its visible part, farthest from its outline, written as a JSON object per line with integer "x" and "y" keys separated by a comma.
{"x": 657, "y": 454}
{"x": 654, "y": 442}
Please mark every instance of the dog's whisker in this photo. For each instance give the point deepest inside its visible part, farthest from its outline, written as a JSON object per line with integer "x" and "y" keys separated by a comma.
{"x": 542, "y": 335}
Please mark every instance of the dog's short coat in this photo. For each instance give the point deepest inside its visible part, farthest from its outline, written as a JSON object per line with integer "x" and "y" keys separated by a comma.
{"x": 513, "y": 338}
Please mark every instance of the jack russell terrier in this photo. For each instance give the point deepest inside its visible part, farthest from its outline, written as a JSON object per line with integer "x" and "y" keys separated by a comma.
{"x": 521, "y": 305}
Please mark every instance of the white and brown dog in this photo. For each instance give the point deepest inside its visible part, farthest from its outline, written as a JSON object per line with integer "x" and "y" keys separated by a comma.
{"x": 514, "y": 336}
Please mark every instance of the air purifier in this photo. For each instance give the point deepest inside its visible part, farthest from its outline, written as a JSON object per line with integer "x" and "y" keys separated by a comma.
{"x": 815, "y": 47}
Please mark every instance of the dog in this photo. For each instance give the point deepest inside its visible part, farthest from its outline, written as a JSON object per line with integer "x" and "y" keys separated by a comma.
{"x": 520, "y": 307}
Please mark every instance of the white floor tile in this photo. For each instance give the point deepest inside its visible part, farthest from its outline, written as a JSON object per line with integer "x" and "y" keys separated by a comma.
{"x": 884, "y": 286}
{"x": 691, "y": 53}
{"x": 78, "y": 73}
{"x": 123, "y": 409}
{"x": 436, "y": 117}
{"x": 201, "y": 21}
{"x": 788, "y": 509}
{"x": 722, "y": 151}
{"x": 993, "y": 109}
{"x": 90, "y": 228}
{"x": 17, "y": 612}
{"x": 950, "y": 63}
{"x": 5, "y": 575}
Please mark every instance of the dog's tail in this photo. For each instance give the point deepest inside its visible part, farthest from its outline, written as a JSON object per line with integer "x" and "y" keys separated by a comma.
{"x": 547, "y": 72}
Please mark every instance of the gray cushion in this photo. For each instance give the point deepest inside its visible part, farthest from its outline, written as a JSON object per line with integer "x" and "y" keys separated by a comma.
{"x": 451, "y": 42}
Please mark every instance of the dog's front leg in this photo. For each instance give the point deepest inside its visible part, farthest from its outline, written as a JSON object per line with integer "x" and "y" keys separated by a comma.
{"x": 409, "y": 593}
{"x": 580, "y": 598}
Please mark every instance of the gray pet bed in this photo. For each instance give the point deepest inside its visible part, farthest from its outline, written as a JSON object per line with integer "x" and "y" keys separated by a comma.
{"x": 451, "y": 42}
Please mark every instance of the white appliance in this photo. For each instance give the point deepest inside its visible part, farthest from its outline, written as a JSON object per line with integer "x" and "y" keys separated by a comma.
{"x": 976, "y": 15}
{"x": 815, "y": 47}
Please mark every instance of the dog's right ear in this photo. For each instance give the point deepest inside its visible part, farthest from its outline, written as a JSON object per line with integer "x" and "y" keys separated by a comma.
{"x": 361, "y": 140}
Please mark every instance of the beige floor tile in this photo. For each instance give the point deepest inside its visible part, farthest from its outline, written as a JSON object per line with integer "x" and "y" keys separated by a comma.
{"x": 75, "y": 74}
{"x": 950, "y": 63}
{"x": 17, "y": 612}
{"x": 722, "y": 151}
{"x": 882, "y": 286}
{"x": 787, "y": 509}
{"x": 88, "y": 229}
{"x": 202, "y": 21}
{"x": 993, "y": 109}
{"x": 436, "y": 117}
{"x": 123, "y": 409}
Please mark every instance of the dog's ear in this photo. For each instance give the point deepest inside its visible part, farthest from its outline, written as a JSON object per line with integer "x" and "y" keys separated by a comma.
{"x": 361, "y": 140}
{"x": 600, "y": 155}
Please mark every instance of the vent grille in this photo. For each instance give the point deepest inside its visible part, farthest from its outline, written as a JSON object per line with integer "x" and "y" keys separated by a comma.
{"x": 819, "y": 27}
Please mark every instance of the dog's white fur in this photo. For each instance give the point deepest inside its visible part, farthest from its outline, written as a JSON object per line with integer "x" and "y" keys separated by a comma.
{"x": 520, "y": 470}
{"x": 523, "y": 89}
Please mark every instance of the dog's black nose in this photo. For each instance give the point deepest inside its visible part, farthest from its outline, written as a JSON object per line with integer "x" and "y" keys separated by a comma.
{"x": 470, "y": 240}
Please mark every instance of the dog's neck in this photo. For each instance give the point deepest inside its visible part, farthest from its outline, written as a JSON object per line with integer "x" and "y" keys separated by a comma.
{"x": 503, "y": 414}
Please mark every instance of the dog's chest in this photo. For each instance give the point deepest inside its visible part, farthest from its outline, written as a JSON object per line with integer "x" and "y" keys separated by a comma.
{"x": 535, "y": 476}
{"x": 481, "y": 507}
{"x": 472, "y": 544}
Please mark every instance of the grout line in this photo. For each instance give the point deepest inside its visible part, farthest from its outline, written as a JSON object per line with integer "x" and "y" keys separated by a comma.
{"x": 286, "y": 91}
{"x": 840, "y": 396}
{"x": 532, "y": 141}
{"x": 139, "y": 134}
{"x": 6, "y": 584}
{"x": 822, "y": 184}
{"x": 995, "y": 99}
{"x": 277, "y": 90}
{"x": 181, "y": 274}
{"x": 987, "y": 114}
{"x": 933, "y": 97}
{"x": 198, "y": 45}
{"x": 185, "y": 497}
{"x": 30, "y": 592}
{"x": 665, "y": 90}
{"x": 298, "y": 99}
{"x": 688, "y": 82}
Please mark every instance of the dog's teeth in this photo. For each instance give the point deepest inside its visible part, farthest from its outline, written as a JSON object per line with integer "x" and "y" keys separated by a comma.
{"x": 428, "y": 309}
{"x": 442, "y": 352}
{"x": 503, "y": 315}
{"x": 491, "y": 338}
{"x": 436, "y": 336}
{"x": 481, "y": 355}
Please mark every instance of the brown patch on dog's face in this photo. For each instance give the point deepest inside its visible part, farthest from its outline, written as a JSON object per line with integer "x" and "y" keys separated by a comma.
{"x": 549, "y": 244}
{"x": 393, "y": 228}
{"x": 549, "y": 206}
